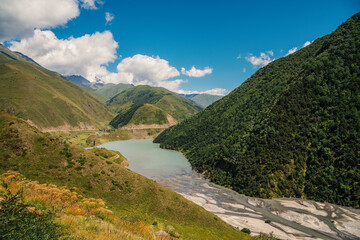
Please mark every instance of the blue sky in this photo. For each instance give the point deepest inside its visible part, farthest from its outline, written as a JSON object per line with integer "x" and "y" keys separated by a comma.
{"x": 219, "y": 35}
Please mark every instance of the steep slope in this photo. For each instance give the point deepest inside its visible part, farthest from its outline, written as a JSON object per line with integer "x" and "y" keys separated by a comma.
{"x": 110, "y": 90}
{"x": 130, "y": 101}
{"x": 292, "y": 129}
{"x": 44, "y": 98}
{"x": 100, "y": 173}
{"x": 203, "y": 99}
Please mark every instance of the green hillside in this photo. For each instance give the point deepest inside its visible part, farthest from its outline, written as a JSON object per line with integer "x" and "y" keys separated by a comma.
{"x": 100, "y": 173}
{"x": 292, "y": 129}
{"x": 43, "y": 97}
{"x": 128, "y": 102}
{"x": 110, "y": 90}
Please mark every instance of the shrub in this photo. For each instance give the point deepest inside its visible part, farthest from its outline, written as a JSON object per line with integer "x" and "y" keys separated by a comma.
{"x": 246, "y": 230}
{"x": 96, "y": 174}
{"x": 268, "y": 221}
{"x": 19, "y": 220}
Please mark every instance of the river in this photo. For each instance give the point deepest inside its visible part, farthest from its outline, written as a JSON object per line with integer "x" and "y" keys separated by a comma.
{"x": 286, "y": 218}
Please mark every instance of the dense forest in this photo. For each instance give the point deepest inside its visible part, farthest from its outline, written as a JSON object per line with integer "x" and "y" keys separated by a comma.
{"x": 292, "y": 129}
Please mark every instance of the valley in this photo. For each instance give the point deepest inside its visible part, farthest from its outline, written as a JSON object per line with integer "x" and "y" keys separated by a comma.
{"x": 108, "y": 140}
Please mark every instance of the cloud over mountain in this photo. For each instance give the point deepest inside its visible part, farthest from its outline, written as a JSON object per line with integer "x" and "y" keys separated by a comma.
{"x": 263, "y": 60}
{"x": 144, "y": 69}
{"x": 84, "y": 56}
{"x": 193, "y": 72}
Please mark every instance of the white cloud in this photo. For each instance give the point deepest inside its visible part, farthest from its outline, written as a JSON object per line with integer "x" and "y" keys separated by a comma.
{"x": 291, "y": 51}
{"x": 263, "y": 60}
{"x": 85, "y": 55}
{"x": 171, "y": 85}
{"x": 109, "y": 17}
{"x": 18, "y": 18}
{"x": 271, "y": 53}
{"x": 215, "y": 91}
{"x": 244, "y": 70}
{"x": 307, "y": 44}
{"x": 88, "y": 56}
{"x": 294, "y": 49}
{"x": 90, "y": 4}
{"x": 193, "y": 72}
{"x": 147, "y": 70}
{"x": 239, "y": 56}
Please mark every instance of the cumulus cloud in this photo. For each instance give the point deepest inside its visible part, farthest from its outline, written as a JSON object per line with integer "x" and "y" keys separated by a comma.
{"x": 263, "y": 60}
{"x": 147, "y": 70}
{"x": 171, "y": 85}
{"x": 19, "y": 18}
{"x": 215, "y": 91}
{"x": 85, "y": 55}
{"x": 271, "y": 53}
{"x": 88, "y": 56}
{"x": 193, "y": 72}
{"x": 90, "y": 4}
{"x": 307, "y": 43}
{"x": 244, "y": 70}
{"x": 294, "y": 49}
{"x": 291, "y": 51}
{"x": 109, "y": 17}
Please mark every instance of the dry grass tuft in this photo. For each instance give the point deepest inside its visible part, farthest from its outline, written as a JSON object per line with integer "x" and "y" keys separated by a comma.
{"x": 84, "y": 218}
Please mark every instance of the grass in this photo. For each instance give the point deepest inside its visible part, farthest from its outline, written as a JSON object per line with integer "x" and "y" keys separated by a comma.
{"x": 130, "y": 196}
{"x": 132, "y": 100}
{"x": 149, "y": 114}
{"x": 81, "y": 218}
{"x": 43, "y": 97}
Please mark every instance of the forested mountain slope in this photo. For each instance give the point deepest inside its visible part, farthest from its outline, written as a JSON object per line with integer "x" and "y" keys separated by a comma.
{"x": 34, "y": 93}
{"x": 292, "y": 129}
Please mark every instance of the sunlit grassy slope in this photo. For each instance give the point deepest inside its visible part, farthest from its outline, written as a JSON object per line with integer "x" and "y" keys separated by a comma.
{"x": 44, "y": 97}
{"x": 129, "y": 101}
{"x": 99, "y": 174}
{"x": 110, "y": 90}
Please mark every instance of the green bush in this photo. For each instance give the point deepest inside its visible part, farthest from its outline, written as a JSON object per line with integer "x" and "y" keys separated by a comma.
{"x": 246, "y": 230}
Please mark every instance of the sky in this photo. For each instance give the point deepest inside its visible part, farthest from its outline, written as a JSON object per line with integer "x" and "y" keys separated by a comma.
{"x": 187, "y": 46}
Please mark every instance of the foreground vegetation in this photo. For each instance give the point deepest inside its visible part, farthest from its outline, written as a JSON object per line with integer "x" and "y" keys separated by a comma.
{"x": 44, "y": 211}
{"x": 292, "y": 129}
{"x": 99, "y": 174}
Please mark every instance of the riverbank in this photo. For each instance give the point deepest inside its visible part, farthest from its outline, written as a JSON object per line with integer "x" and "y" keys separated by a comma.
{"x": 92, "y": 138}
{"x": 285, "y": 218}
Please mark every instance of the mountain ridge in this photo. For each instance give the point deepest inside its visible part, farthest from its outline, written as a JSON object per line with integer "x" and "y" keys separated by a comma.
{"x": 164, "y": 102}
{"x": 45, "y": 98}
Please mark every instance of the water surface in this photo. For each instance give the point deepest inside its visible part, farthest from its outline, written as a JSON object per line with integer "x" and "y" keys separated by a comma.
{"x": 290, "y": 218}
